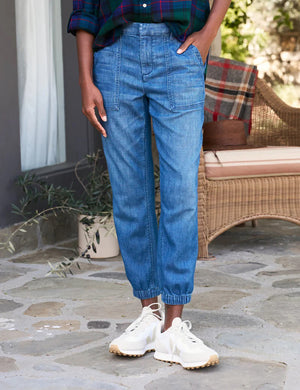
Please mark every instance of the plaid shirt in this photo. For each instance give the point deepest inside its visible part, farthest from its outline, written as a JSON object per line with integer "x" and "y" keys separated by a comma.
{"x": 105, "y": 18}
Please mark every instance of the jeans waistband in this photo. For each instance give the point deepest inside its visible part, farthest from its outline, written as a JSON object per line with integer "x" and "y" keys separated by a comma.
{"x": 138, "y": 28}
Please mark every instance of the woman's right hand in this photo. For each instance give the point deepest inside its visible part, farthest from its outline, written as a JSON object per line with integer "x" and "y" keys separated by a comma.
{"x": 91, "y": 97}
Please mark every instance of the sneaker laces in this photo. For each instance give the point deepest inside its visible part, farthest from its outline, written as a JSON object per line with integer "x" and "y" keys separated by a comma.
{"x": 183, "y": 330}
{"x": 145, "y": 316}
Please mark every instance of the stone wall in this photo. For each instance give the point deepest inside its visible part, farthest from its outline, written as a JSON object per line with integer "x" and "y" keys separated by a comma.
{"x": 48, "y": 232}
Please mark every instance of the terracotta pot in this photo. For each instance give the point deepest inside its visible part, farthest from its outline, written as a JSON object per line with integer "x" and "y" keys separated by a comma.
{"x": 108, "y": 245}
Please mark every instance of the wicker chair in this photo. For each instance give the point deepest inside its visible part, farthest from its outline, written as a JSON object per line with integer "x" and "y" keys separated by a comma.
{"x": 223, "y": 204}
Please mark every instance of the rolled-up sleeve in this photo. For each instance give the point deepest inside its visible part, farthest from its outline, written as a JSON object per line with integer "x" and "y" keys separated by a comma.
{"x": 85, "y": 16}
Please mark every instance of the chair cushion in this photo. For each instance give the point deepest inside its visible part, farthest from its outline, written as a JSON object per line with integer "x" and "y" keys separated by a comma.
{"x": 266, "y": 161}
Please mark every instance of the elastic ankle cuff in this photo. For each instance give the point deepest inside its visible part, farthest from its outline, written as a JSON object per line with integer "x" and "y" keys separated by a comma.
{"x": 176, "y": 299}
{"x": 146, "y": 294}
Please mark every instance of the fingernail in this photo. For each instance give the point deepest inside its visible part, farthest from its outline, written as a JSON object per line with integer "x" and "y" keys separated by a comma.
{"x": 104, "y": 118}
{"x": 179, "y": 51}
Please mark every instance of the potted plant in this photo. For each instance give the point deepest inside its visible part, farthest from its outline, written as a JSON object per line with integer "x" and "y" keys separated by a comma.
{"x": 93, "y": 208}
{"x": 96, "y": 230}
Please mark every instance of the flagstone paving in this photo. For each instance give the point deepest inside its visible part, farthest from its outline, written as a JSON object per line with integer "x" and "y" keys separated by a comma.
{"x": 54, "y": 332}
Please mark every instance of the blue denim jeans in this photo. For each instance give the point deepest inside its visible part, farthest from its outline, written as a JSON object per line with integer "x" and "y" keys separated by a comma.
{"x": 141, "y": 75}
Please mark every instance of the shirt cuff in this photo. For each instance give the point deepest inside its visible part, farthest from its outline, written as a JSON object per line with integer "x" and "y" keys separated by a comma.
{"x": 80, "y": 20}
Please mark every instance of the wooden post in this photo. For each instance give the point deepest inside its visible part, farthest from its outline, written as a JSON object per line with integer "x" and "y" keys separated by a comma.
{"x": 215, "y": 49}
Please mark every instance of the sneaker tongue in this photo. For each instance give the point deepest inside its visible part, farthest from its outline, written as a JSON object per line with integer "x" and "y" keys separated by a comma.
{"x": 146, "y": 310}
{"x": 176, "y": 322}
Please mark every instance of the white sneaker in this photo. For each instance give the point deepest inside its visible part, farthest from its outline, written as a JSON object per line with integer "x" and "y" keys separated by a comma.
{"x": 178, "y": 345}
{"x": 140, "y": 336}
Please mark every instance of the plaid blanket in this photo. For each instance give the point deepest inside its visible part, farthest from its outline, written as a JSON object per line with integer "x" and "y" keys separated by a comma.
{"x": 230, "y": 87}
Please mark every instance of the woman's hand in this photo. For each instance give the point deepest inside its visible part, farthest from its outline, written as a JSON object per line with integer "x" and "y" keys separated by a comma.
{"x": 91, "y": 97}
{"x": 200, "y": 40}
{"x": 203, "y": 39}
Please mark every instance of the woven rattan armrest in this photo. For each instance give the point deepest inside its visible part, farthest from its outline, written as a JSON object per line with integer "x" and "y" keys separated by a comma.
{"x": 290, "y": 115}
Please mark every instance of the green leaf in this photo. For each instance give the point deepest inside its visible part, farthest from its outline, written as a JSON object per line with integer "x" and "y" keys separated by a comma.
{"x": 11, "y": 245}
{"x": 98, "y": 237}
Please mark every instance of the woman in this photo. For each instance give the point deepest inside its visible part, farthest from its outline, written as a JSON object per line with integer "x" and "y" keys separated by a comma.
{"x": 139, "y": 60}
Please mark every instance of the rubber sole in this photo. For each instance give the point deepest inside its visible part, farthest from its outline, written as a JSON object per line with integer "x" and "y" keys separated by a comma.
{"x": 115, "y": 350}
{"x": 213, "y": 360}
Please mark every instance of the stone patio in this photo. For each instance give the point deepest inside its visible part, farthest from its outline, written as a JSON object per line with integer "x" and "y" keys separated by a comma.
{"x": 54, "y": 332}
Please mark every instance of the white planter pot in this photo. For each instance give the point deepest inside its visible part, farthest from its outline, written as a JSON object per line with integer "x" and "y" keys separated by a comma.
{"x": 108, "y": 245}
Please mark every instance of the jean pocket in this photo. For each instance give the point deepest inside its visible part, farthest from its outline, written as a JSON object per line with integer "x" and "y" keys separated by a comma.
{"x": 185, "y": 77}
{"x": 197, "y": 54}
{"x": 106, "y": 74}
